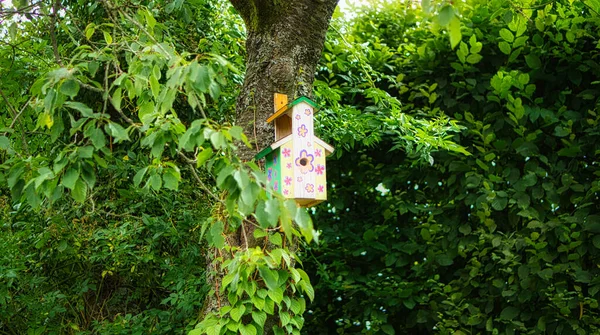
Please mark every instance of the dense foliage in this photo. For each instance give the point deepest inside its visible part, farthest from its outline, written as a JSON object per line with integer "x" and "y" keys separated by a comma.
{"x": 463, "y": 190}
{"x": 503, "y": 241}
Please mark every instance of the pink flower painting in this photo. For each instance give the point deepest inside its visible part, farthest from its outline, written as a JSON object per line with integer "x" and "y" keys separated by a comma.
{"x": 286, "y": 152}
{"x": 321, "y": 188}
{"x": 288, "y": 181}
{"x": 318, "y": 152}
{"x": 320, "y": 169}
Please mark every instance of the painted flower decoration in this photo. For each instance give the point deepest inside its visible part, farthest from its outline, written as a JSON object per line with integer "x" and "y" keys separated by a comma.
{"x": 302, "y": 130}
{"x": 321, "y": 188}
{"x": 299, "y": 179}
{"x": 274, "y": 159}
{"x": 288, "y": 165}
{"x": 310, "y": 188}
{"x": 298, "y": 116}
{"x": 270, "y": 174}
{"x": 286, "y": 191}
{"x": 276, "y": 186}
{"x": 307, "y": 111}
{"x": 287, "y": 152}
{"x": 288, "y": 181}
{"x": 320, "y": 169}
{"x": 318, "y": 152}
{"x": 305, "y": 162}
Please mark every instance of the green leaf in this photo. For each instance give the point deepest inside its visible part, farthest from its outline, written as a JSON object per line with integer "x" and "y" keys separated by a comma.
{"x": 117, "y": 131}
{"x": 474, "y": 58}
{"x": 237, "y": 312}
{"x": 155, "y": 181}
{"x": 137, "y": 179}
{"x": 533, "y": 61}
{"x": 259, "y": 317}
{"x": 236, "y": 132}
{"x": 507, "y": 35}
{"x": 276, "y": 239}
{"x": 154, "y": 86}
{"x": 171, "y": 181}
{"x": 85, "y": 152}
{"x": 70, "y": 88}
{"x": 79, "y": 192}
{"x": 70, "y": 178}
{"x": 4, "y": 143}
{"x": 388, "y": 329}
{"x": 445, "y": 15}
{"x": 276, "y": 295}
{"x": 270, "y": 277}
{"x": 98, "y": 138}
{"x": 454, "y": 31}
{"x": 509, "y": 313}
{"x": 116, "y": 98}
{"x": 107, "y": 37}
{"x": 247, "y": 330}
{"x": 505, "y": 47}
{"x": 81, "y": 108}
{"x": 89, "y": 30}
{"x": 203, "y": 156}
{"x": 216, "y": 235}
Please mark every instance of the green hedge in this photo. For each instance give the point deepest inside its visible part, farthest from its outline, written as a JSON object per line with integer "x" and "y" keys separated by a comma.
{"x": 503, "y": 241}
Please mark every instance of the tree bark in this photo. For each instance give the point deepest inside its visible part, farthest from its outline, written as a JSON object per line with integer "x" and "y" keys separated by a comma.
{"x": 284, "y": 43}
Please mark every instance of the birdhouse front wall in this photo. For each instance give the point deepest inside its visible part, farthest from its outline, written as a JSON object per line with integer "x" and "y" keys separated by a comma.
{"x": 304, "y": 163}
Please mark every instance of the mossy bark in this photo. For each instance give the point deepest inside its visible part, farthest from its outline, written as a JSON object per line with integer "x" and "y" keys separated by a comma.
{"x": 284, "y": 43}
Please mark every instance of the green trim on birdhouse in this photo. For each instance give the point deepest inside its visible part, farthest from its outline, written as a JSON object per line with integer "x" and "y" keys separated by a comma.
{"x": 302, "y": 99}
{"x": 290, "y": 105}
{"x": 263, "y": 152}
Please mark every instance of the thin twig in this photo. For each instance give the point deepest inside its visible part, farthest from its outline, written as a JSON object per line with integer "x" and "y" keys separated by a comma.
{"x": 12, "y": 124}
{"x": 16, "y": 115}
{"x": 244, "y": 235}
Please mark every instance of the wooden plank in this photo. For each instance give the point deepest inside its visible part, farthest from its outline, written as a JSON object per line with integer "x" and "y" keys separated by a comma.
{"x": 280, "y": 100}
{"x": 283, "y": 127}
{"x": 303, "y": 153}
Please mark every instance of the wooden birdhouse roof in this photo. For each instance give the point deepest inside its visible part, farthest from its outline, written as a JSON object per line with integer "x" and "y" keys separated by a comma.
{"x": 287, "y": 107}
{"x": 328, "y": 148}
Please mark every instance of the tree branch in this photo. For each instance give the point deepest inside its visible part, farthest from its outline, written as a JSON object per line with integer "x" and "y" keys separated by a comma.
{"x": 55, "y": 8}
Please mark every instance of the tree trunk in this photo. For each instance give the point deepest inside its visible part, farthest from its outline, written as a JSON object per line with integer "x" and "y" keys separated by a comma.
{"x": 284, "y": 43}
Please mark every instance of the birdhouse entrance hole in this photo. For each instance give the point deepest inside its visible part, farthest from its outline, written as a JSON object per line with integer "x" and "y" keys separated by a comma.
{"x": 303, "y": 161}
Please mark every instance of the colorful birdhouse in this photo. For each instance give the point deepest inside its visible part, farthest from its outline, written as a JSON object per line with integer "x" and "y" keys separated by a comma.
{"x": 295, "y": 163}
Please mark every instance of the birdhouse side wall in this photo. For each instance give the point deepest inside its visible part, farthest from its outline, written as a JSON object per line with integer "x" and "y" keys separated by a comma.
{"x": 320, "y": 173}
{"x": 287, "y": 169}
{"x": 273, "y": 168}
{"x": 303, "y": 151}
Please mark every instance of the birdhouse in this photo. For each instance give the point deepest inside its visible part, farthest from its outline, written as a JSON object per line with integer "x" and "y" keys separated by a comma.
{"x": 295, "y": 162}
